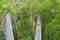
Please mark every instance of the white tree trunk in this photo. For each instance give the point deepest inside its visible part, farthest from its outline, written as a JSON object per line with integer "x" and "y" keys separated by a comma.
{"x": 38, "y": 29}
{"x": 9, "y": 32}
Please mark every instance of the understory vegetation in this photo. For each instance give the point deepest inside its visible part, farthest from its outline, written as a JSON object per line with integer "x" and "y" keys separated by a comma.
{"x": 23, "y": 17}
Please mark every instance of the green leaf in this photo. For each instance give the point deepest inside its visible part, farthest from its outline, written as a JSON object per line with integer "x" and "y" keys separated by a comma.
{"x": 1, "y": 12}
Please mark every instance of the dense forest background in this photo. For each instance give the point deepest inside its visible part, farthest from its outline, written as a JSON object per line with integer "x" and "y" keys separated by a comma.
{"x": 23, "y": 17}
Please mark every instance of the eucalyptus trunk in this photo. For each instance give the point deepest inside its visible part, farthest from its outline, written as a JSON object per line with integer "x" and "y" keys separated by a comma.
{"x": 38, "y": 29}
{"x": 9, "y": 32}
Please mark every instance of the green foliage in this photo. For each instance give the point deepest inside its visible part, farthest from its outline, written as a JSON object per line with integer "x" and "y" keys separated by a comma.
{"x": 50, "y": 15}
{"x": 24, "y": 27}
{"x": 49, "y": 11}
{"x": 5, "y": 7}
{"x": 1, "y": 12}
{"x": 54, "y": 28}
{"x": 2, "y": 33}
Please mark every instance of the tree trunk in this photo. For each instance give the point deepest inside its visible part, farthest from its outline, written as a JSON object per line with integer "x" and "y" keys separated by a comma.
{"x": 9, "y": 32}
{"x": 38, "y": 29}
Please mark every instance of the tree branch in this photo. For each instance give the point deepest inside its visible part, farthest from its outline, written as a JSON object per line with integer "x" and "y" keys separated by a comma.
{"x": 9, "y": 11}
